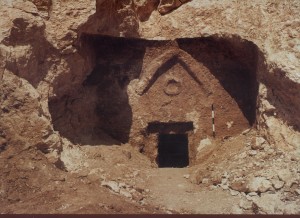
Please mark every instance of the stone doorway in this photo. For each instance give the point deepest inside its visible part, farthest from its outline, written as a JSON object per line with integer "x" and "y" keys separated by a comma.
{"x": 173, "y": 150}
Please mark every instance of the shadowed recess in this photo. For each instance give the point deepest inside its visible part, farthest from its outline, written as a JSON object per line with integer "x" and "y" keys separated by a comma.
{"x": 173, "y": 150}
{"x": 233, "y": 62}
{"x": 178, "y": 127}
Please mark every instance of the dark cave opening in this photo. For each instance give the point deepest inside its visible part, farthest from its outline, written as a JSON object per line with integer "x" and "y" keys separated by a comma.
{"x": 173, "y": 150}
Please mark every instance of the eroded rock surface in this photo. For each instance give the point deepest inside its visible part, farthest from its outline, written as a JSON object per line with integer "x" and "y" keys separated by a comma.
{"x": 67, "y": 80}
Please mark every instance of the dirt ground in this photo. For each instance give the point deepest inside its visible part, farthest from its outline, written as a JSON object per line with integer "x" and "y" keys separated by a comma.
{"x": 167, "y": 191}
{"x": 171, "y": 190}
{"x": 119, "y": 179}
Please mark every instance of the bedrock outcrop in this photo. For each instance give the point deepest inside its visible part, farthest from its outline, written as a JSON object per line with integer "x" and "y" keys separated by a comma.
{"x": 46, "y": 61}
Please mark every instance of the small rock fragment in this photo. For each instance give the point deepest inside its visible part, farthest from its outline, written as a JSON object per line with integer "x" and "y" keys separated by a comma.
{"x": 135, "y": 173}
{"x": 216, "y": 179}
{"x": 140, "y": 190}
{"x": 286, "y": 176}
{"x": 294, "y": 158}
{"x": 213, "y": 187}
{"x": 269, "y": 203}
{"x": 270, "y": 151}
{"x": 225, "y": 175}
{"x": 291, "y": 208}
{"x": 245, "y": 204}
{"x": 224, "y": 186}
{"x": 234, "y": 192}
{"x": 242, "y": 155}
{"x": 252, "y": 194}
{"x": 229, "y": 124}
{"x": 187, "y": 176}
{"x": 251, "y": 198}
{"x": 137, "y": 196}
{"x": 112, "y": 185}
{"x": 252, "y": 152}
{"x": 238, "y": 185}
{"x": 248, "y": 144}
{"x": 277, "y": 184}
{"x": 236, "y": 210}
{"x": 246, "y": 131}
{"x": 297, "y": 191}
{"x": 205, "y": 181}
{"x": 203, "y": 143}
{"x": 258, "y": 144}
{"x": 259, "y": 184}
{"x": 125, "y": 193}
{"x": 122, "y": 185}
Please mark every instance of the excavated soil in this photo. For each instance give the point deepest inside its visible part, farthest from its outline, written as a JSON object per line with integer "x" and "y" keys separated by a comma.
{"x": 118, "y": 179}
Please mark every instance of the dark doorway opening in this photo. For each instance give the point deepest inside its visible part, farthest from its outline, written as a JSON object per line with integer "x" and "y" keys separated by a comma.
{"x": 154, "y": 127}
{"x": 173, "y": 150}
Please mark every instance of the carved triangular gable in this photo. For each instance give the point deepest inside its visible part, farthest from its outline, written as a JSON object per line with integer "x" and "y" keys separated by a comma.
{"x": 169, "y": 58}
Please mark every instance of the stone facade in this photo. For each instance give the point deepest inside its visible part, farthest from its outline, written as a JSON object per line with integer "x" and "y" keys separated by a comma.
{"x": 174, "y": 95}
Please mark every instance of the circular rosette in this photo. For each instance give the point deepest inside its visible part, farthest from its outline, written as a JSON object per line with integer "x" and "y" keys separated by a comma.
{"x": 173, "y": 87}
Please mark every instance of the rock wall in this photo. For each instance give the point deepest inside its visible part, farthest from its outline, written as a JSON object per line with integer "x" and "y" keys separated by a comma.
{"x": 43, "y": 58}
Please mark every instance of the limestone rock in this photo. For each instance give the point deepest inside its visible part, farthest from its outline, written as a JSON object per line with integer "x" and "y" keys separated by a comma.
{"x": 269, "y": 204}
{"x": 198, "y": 176}
{"x": 137, "y": 196}
{"x": 187, "y": 176}
{"x": 291, "y": 208}
{"x": 216, "y": 179}
{"x": 224, "y": 186}
{"x": 252, "y": 194}
{"x": 242, "y": 155}
{"x": 245, "y": 204}
{"x": 246, "y": 131}
{"x": 112, "y": 185}
{"x": 239, "y": 185}
{"x": 277, "y": 184}
{"x": 236, "y": 210}
{"x": 234, "y": 193}
{"x": 252, "y": 153}
{"x": 252, "y": 198}
{"x": 286, "y": 176}
{"x": 258, "y": 144}
{"x": 205, "y": 181}
{"x": 166, "y": 6}
{"x": 203, "y": 144}
{"x": 271, "y": 151}
{"x": 125, "y": 193}
{"x": 50, "y": 100}
{"x": 26, "y": 6}
{"x": 259, "y": 184}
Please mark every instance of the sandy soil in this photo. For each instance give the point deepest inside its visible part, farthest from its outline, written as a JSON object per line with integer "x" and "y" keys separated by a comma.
{"x": 171, "y": 189}
{"x": 119, "y": 179}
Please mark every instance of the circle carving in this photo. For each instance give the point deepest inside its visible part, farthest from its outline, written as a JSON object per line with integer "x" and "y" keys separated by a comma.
{"x": 173, "y": 87}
